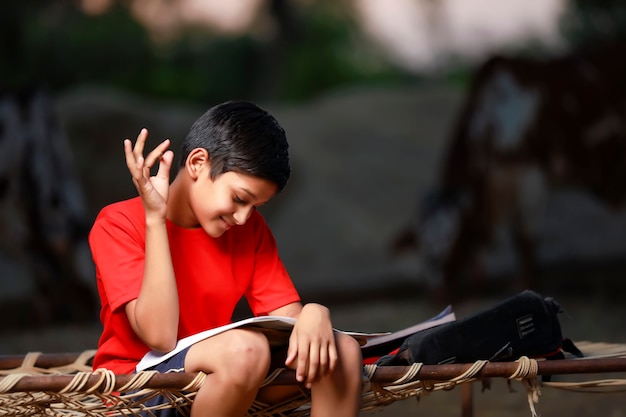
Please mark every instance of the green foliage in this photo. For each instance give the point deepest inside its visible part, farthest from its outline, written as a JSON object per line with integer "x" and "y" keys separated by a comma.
{"x": 110, "y": 48}
{"x": 206, "y": 69}
{"x": 330, "y": 54}
{"x": 592, "y": 21}
{"x": 54, "y": 43}
{"x": 59, "y": 46}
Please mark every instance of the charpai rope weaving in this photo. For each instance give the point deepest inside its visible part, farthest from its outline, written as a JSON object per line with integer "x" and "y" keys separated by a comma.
{"x": 65, "y": 385}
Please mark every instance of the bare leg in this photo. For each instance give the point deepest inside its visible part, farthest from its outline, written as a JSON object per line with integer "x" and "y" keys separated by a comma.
{"x": 236, "y": 362}
{"x": 337, "y": 394}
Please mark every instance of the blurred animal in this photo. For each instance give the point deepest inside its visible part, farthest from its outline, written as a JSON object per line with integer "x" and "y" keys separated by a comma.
{"x": 527, "y": 126}
{"x": 45, "y": 264}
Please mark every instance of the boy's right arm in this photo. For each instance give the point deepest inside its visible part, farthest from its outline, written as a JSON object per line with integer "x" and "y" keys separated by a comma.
{"x": 153, "y": 315}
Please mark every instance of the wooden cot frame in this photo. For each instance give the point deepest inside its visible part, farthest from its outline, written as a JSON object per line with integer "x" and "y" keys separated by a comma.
{"x": 46, "y": 379}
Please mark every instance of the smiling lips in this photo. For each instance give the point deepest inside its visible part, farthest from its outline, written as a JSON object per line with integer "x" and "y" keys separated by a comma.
{"x": 227, "y": 223}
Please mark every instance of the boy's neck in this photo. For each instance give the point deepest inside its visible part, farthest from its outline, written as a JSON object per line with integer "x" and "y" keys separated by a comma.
{"x": 178, "y": 211}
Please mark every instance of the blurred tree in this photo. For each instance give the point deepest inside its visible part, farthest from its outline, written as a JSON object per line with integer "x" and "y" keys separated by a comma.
{"x": 274, "y": 54}
{"x": 315, "y": 46}
{"x": 318, "y": 46}
{"x": 594, "y": 21}
{"x": 13, "y": 43}
{"x": 53, "y": 43}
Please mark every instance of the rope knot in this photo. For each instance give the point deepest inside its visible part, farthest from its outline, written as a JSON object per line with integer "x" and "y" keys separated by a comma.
{"x": 526, "y": 372}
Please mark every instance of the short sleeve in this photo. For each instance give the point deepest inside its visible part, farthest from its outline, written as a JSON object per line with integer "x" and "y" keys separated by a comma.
{"x": 118, "y": 247}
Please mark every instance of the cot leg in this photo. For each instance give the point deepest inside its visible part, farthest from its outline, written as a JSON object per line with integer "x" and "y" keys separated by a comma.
{"x": 467, "y": 398}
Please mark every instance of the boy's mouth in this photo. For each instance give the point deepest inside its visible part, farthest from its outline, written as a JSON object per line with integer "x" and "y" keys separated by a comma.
{"x": 226, "y": 222}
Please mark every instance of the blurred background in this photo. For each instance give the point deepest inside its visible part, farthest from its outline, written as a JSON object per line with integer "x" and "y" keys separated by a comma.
{"x": 443, "y": 151}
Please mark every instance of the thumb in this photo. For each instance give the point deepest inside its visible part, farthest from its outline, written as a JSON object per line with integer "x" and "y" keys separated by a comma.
{"x": 165, "y": 165}
{"x": 292, "y": 352}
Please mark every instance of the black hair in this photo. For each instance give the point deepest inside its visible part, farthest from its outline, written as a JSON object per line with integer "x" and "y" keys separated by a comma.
{"x": 240, "y": 136}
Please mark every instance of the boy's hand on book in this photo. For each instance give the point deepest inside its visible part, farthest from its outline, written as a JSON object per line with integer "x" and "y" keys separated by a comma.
{"x": 152, "y": 189}
{"x": 312, "y": 351}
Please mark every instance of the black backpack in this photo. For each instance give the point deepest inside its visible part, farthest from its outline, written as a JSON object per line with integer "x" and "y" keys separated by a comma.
{"x": 525, "y": 324}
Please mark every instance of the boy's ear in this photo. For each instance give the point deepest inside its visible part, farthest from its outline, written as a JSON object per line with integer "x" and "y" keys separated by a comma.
{"x": 197, "y": 162}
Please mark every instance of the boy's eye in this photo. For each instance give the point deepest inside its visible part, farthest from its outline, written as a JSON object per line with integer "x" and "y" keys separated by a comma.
{"x": 242, "y": 202}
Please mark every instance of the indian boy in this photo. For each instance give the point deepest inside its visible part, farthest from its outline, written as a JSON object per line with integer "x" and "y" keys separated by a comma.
{"x": 176, "y": 260}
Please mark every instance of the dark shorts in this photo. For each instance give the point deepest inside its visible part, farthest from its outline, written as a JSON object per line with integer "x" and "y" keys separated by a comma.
{"x": 174, "y": 364}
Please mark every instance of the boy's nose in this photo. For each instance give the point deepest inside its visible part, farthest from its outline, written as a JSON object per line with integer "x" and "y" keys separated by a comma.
{"x": 241, "y": 216}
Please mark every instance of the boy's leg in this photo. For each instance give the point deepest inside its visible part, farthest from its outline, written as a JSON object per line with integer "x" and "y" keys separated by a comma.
{"x": 338, "y": 393}
{"x": 174, "y": 364}
{"x": 236, "y": 363}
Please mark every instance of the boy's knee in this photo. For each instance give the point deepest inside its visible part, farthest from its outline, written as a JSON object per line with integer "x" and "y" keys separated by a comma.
{"x": 239, "y": 355}
{"x": 249, "y": 344}
{"x": 349, "y": 349}
{"x": 351, "y": 360}
{"x": 248, "y": 354}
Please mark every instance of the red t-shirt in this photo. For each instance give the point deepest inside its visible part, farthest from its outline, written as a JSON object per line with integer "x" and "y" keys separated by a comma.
{"x": 212, "y": 275}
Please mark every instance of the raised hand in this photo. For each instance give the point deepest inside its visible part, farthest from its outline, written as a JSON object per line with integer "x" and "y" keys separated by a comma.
{"x": 153, "y": 190}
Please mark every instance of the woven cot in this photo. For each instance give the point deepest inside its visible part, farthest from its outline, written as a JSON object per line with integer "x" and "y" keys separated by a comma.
{"x": 65, "y": 385}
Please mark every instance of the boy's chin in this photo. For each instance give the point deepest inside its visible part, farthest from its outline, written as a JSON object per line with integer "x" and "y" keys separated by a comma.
{"x": 214, "y": 231}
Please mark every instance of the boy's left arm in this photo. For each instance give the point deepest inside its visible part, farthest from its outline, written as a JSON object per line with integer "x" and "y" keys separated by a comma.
{"x": 312, "y": 351}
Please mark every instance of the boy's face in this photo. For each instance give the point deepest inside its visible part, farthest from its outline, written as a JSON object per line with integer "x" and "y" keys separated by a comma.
{"x": 228, "y": 200}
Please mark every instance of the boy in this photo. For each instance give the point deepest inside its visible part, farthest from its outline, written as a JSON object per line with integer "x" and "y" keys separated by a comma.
{"x": 176, "y": 260}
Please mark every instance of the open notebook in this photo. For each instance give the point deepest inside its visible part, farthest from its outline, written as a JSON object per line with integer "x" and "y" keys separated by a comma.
{"x": 276, "y": 328}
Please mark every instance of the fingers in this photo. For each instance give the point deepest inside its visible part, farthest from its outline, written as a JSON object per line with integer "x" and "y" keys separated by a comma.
{"x": 139, "y": 166}
{"x": 165, "y": 165}
{"x": 322, "y": 360}
{"x": 312, "y": 360}
{"x": 157, "y": 153}
{"x": 313, "y": 372}
{"x": 292, "y": 351}
{"x": 134, "y": 154}
{"x": 298, "y": 355}
{"x": 140, "y": 143}
{"x": 332, "y": 356}
{"x": 131, "y": 161}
